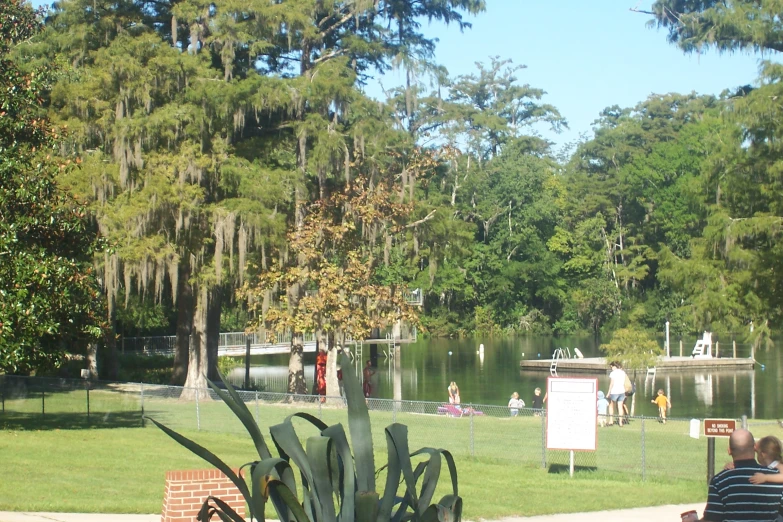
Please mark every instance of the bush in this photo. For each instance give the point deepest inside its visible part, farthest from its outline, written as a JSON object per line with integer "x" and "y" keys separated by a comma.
{"x": 150, "y": 369}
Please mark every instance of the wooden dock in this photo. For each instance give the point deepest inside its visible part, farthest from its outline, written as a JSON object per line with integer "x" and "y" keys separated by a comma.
{"x": 664, "y": 365}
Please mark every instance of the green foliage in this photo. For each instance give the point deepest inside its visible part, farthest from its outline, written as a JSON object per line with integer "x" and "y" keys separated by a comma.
{"x": 633, "y": 348}
{"x": 151, "y": 369}
{"x": 695, "y": 25}
{"x": 227, "y": 364}
{"x": 329, "y": 470}
{"x": 484, "y": 323}
{"x": 50, "y": 300}
{"x": 142, "y": 317}
{"x": 207, "y": 136}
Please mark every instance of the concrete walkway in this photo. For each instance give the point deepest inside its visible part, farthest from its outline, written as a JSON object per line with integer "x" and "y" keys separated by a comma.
{"x": 647, "y": 514}
{"x": 670, "y": 513}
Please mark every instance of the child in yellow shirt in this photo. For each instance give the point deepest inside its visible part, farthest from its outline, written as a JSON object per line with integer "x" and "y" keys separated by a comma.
{"x": 662, "y": 401}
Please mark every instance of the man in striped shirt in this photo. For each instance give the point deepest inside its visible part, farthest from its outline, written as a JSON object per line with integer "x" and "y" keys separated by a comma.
{"x": 731, "y": 497}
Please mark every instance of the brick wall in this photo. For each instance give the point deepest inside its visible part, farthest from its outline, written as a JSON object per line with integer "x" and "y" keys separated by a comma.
{"x": 186, "y": 491}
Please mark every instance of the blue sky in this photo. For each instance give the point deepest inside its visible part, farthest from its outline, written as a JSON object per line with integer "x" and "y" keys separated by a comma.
{"x": 586, "y": 56}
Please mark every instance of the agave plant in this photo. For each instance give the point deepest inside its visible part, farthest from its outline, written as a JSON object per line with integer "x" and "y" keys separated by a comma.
{"x": 337, "y": 485}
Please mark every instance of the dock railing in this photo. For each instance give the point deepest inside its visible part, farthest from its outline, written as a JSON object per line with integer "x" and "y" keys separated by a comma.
{"x": 234, "y": 343}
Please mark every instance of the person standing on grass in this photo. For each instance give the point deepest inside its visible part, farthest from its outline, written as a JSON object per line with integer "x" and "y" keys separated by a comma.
{"x": 515, "y": 404}
{"x": 616, "y": 392}
{"x": 367, "y": 374}
{"x": 731, "y": 497}
{"x": 538, "y": 402}
{"x": 662, "y": 401}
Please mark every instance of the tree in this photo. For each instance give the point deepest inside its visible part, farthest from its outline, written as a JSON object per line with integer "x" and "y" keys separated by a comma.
{"x": 50, "y": 300}
{"x": 735, "y": 25}
{"x": 633, "y": 348}
{"x": 741, "y": 239}
{"x": 349, "y": 284}
{"x": 636, "y": 190}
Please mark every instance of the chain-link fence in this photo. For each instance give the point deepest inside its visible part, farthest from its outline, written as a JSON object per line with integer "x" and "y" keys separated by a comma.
{"x": 643, "y": 448}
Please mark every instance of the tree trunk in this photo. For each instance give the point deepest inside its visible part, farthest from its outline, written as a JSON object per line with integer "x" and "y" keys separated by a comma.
{"x": 296, "y": 378}
{"x": 184, "y": 326}
{"x": 397, "y": 382}
{"x": 112, "y": 364}
{"x": 213, "y": 332}
{"x": 92, "y": 360}
{"x": 198, "y": 359}
{"x": 332, "y": 383}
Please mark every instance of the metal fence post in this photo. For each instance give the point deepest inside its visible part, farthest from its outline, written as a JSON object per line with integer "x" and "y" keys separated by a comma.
{"x": 543, "y": 438}
{"x": 258, "y": 412}
{"x": 198, "y": 416}
{"x": 142, "y": 404}
{"x": 87, "y": 387}
{"x": 644, "y": 456}
{"x": 2, "y": 392}
{"x": 472, "y": 442}
{"x": 395, "y": 404}
{"x": 744, "y": 422}
{"x": 43, "y": 401}
{"x": 320, "y": 413}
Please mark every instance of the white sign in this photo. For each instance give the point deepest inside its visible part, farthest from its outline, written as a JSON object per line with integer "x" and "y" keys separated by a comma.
{"x": 695, "y": 428}
{"x": 571, "y": 414}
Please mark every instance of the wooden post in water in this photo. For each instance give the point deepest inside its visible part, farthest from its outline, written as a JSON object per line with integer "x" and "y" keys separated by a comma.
{"x": 734, "y": 348}
{"x": 717, "y": 349}
{"x": 680, "y": 346}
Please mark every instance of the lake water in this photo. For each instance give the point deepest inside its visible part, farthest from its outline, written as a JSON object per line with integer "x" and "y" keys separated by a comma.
{"x": 427, "y": 367}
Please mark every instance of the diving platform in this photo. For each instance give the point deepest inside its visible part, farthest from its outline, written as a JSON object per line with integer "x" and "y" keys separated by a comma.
{"x": 663, "y": 365}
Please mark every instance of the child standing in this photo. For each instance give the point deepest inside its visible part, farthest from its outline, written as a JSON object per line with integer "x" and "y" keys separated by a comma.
{"x": 662, "y": 401}
{"x": 603, "y": 406}
{"x": 538, "y": 402}
{"x": 514, "y": 404}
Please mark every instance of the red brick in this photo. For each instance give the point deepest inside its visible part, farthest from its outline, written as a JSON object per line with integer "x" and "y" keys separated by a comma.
{"x": 186, "y": 490}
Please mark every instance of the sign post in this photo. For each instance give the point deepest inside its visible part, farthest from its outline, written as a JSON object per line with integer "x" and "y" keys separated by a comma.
{"x": 716, "y": 428}
{"x": 571, "y": 417}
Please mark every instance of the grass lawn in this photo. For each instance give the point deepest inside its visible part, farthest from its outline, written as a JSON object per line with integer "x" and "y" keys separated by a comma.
{"x": 122, "y": 471}
{"x": 61, "y": 461}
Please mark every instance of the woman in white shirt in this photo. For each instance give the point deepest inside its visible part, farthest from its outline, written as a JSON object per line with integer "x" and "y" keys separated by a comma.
{"x": 616, "y": 391}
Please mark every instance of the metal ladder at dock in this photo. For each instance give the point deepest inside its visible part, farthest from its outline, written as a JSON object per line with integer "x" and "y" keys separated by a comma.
{"x": 559, "y": 353}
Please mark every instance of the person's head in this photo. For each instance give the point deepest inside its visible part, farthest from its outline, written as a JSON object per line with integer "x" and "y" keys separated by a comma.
{"x": 515, "y": 395}
{"x": 537, "y": 391}
{"x": 452, "y": 384}
{"x": 601, "y": 395}
{"x": 742, "y": 445}
{"x": 660, "y": 392}
{"x": 768, "y": 450}
{"x": 368, "y": 364}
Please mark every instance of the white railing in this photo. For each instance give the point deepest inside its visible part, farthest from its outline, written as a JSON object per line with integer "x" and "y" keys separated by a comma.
{"x": 235, "y": 343}
{"x": 415, "y": 297}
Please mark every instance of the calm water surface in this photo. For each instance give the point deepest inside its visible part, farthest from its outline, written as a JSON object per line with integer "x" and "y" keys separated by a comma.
{"x": 429, "y": 365}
